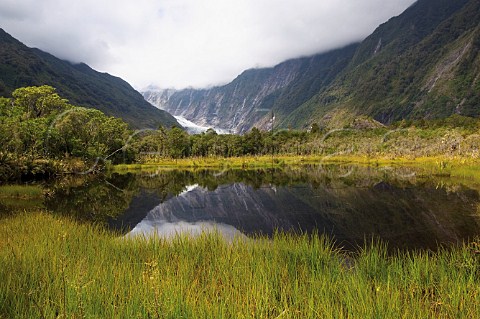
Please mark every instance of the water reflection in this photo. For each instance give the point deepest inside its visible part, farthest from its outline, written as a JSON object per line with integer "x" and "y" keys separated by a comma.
{"x": 406, "y": 208}
{"x": 406, "y": 215}
{"x": 162, "y": 221}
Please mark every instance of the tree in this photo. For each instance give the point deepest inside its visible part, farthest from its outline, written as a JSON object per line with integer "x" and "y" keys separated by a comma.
{"x": 87, "y": 133}
{"x": 38, "y": 101}
{"x": 152, "y": 143}
{"x": 253, "y": 142}
{"x": 178, "y": 143}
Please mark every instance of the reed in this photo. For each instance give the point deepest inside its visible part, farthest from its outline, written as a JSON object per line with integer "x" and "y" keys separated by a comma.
{"x": 52, "y": 267}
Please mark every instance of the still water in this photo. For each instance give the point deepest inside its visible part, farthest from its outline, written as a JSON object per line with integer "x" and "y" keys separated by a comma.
{"x": 404, "y": 207}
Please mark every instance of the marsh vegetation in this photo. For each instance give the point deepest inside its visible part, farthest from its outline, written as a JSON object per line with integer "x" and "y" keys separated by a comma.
{"x": 56, "y": 267}
{"x": 395, "y": 235}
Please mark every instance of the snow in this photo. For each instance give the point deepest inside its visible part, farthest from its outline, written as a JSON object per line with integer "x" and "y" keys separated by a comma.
{"x": 193, "y": 128}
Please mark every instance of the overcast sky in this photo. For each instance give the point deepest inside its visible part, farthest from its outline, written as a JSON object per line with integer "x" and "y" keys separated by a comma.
{"x": 181, "y": 43}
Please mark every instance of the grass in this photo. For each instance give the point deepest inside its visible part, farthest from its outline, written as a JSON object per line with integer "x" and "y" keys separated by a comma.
{"x": 21, "y": 191}
{"x": 455, "y": 166}
{"x": 52, "y": 267}
{"x": 211, "y": 162}
{"x": 261, "y": 161}
{"x": 19, "y": 197}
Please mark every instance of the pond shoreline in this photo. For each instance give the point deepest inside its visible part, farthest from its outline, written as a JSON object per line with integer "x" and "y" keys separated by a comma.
{"x": 433, "y": 202}
{"x": 63, "y": 265}
{"x": 438, "y": 165}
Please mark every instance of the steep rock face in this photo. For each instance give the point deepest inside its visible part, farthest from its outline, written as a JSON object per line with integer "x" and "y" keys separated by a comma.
{"x": 236, "y": 106}
{"x": 425, "y": 63}
{"x": 157, "y": 96}
{"x": 80, "y": 84}
{"x": 250, "y": 99}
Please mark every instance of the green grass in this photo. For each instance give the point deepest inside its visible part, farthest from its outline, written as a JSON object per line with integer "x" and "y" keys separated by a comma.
{"x": 461, "y": 166}
{"x": 20, "y": 197}
{"x": 212, "y": 162}
{"x": 56, "y": 268}
{"x": 262, "y": 161}
{"x": 21, "y": 191}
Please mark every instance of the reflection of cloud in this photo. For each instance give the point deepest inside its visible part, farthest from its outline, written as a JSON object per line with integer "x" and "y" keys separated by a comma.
{"x": 161, "y": 221}
{"x": 188, "y": 189}
{"x": 167, "y": 229}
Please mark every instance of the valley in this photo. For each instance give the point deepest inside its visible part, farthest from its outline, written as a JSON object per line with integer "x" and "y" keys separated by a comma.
{"x": 424, "y": 63}
{"x": 340, "y": 184}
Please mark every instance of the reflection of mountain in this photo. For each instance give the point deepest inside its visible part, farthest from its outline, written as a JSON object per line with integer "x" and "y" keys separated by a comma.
{"x": 410, "y": 213}
{"x": 162, "y": 220}
{"x": 418, "y": 216}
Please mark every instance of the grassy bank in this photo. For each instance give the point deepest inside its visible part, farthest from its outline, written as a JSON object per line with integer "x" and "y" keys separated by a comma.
{"x": 263, "y": 161}
{"x": 21, "y": 191}
{"x": 20, "y": 197}
{"x": 451, "y": 165}
{"x": 216, "y": 162}
{"x": 56, "y": 268}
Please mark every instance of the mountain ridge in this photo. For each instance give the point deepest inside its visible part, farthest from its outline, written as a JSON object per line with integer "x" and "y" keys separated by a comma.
{"x": 251, "y": 96}
{"x": 79, "y": 83}
{"x": 423, "y": 63}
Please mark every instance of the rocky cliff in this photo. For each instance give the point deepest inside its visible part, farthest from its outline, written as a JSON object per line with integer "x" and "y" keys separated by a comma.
{"x": 425, "y": 63}
{"x": 250, "y": 99}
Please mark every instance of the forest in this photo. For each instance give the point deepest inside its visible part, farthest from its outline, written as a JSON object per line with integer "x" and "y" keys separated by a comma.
{"x": 85, "y": 267}
{"x": 43, "y": 134}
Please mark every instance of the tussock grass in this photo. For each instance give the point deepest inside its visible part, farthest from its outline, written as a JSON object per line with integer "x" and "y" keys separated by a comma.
{"x": 51, "y": 267}
{"x": 455, "y": 166}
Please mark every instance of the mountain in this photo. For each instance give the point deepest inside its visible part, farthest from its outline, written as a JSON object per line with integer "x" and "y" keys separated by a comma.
{"x": 157, "y": 96}
{"x": 80, "y": 84}
{"x": 423, "y": 63}
{"x": 248, "y": 100}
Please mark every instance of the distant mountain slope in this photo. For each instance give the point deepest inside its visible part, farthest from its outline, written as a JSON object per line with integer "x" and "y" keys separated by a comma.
{"x": 248, "y": 100}
{"x": 80, "y": 84}
{"x": 424, "y": 63}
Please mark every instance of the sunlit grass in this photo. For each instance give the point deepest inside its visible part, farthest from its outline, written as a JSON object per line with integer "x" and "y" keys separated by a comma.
{"x": 212, "y": 162}
{"x": 52, "y": 267}
{"x": 459, "y": 166}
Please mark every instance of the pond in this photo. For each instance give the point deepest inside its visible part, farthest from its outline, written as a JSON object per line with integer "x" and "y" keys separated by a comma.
{"x": 405, "y": 207}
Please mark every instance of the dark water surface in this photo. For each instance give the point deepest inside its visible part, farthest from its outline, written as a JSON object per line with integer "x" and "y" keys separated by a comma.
{"x": 404, "y": 207}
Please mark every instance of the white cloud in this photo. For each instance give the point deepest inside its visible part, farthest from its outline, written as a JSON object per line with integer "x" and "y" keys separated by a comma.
{"x": 179, "y": 43}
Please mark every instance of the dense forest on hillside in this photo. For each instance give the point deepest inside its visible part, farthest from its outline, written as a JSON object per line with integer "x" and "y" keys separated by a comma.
{"x": 21, "y": 66}
{"x": 423, "y": 64}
